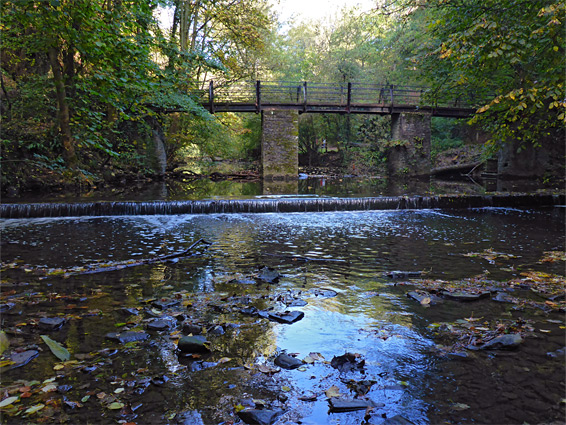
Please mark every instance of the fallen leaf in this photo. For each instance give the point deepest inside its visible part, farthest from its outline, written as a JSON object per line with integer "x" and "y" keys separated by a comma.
{"x": 116, "y": 405}
{"x": 8, "y": 401}
{"x": 34, "y": 409}
{"x": 4, "y": 342}
{"x": 60, "y": 352}
{"x": 333, "y": 391}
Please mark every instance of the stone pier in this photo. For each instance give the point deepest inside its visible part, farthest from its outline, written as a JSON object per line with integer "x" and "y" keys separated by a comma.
{"x": 409, "y": 154}
{"x": 280, "y": 144}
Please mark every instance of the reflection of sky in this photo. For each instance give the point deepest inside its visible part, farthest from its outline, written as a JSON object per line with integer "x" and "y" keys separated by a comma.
{"x": 352, "y": 250}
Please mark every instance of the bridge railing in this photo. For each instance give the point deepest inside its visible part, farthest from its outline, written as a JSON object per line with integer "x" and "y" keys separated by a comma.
{"x": 261, "y": 94}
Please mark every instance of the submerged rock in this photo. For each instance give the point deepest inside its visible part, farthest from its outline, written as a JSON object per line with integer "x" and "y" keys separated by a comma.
{"x": 159, "y": 325}
{"x": 287, "y": 317}
{"x": 51, "y": 323}
{"x": 396, "y": 274}
{"x": 397, "y": 420}
{"x": 165, "y": 303}
{"x": 190, "y": 328}
{"x": 502, "y": 297}
{"x": 126, "y": 337}
{"x": 193, "y": 344}
{"x": 23, "y": 358}
{"x": 349, "y": 405}
{"x": 259, "y": 417}
{"x": 287, "y": 362}
{"x": 423, "y": 297}
{"x": 269, "y": 275}
{"x": 503, "y": 342}
{"x": 465, "y": 296}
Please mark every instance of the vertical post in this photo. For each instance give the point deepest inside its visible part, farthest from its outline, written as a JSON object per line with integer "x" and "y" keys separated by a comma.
{"x": 211, "y": 96}
{"x": 305, "y": 96}
{"x": 258, "y": 97}
{"x": 391, "y": 93}
{"x": 349, "y": 97}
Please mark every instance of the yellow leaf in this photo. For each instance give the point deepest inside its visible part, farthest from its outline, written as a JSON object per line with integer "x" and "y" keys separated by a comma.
{"x": 333, "y": 391}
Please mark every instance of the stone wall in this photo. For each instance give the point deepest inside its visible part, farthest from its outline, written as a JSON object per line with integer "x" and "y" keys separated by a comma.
{"x": 516, "y": 160}
{"x": 409, "y": 154}
{"x": 280, "y": 145}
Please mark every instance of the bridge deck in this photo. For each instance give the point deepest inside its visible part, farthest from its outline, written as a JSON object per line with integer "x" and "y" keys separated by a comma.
{"x": 347, "y": 98}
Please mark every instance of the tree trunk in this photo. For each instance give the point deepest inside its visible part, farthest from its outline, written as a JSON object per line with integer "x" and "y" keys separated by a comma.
{"x": 63, "y": 109}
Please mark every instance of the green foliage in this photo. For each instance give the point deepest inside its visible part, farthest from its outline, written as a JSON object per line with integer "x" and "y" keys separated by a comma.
{"x": 513, "y": 48}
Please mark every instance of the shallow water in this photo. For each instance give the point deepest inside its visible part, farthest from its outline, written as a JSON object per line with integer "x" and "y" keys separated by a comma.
{"x": 345, "y": 252}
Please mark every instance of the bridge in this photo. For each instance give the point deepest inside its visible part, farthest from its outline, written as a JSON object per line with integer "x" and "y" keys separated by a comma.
{"x": 280, "y": 103}
{"x": 332, "y": 98}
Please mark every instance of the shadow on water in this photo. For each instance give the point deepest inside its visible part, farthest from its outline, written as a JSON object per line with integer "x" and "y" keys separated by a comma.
{"x": 333, "y": 267}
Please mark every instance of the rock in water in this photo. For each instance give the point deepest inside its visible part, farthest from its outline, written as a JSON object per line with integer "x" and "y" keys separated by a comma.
{"x": 268, "y": 275}
{"x": 349, "y": 405}
{"x": 193, "y": 344}
{"x": 259, "y": 417}
{"x": 51, "y": 323}
{"x": 126, "y": 337}
{"x": 286, "y": 317}
{"x": 503, "y": 342}
{"x": 287, "y": 362}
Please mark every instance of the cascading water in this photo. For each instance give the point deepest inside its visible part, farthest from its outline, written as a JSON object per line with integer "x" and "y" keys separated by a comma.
{"x": 280, "y": 205}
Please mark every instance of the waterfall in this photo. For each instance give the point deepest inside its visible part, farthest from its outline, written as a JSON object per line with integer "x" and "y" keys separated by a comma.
{"x": 282, "y": 205}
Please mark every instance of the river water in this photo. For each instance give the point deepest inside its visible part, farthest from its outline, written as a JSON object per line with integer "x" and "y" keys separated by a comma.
{"x": 336, "y": 262}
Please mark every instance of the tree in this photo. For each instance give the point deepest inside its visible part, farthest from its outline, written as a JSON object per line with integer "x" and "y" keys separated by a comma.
{"x": 510, "y": 53}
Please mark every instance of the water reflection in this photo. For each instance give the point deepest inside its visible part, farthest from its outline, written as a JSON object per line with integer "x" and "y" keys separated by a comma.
{"x": 319, "y": 186}
{"x": 347, "y": 252}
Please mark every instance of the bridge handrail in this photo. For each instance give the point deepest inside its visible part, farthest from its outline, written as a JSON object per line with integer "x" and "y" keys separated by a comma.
{"x": 346, "y": 95}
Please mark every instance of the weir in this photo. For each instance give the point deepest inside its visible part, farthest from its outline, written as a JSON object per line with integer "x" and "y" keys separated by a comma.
{"x": 286, "y": 205}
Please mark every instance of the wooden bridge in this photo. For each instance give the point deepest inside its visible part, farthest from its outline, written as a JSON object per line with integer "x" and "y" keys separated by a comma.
{"x": 346, "y": 98}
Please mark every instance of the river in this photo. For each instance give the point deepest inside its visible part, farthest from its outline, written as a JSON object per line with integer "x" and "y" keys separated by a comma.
{"x": 335, "y": 267}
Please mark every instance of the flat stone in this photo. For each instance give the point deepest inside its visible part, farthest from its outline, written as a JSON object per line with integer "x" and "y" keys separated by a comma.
{"x": 349, "y": 405}
{"x": 193, "y": 344}
{"x": 502, "y": 297}
{"x": 165, "y": 303}
{"x": 260, "y": 417}
{"x": 130, "y": 311}
{"x": 287, "y": 317}
{"x": 51, "y": 323}
{"x": 503, "y": 342}
{"x": 126, "y": 337}
{"x": 190, "y": 328}
{"x": 287, "y": 362}
{"x": 465, "y": 296}
{"x": 159, "y": 325}
{"x": 23, "y": 358}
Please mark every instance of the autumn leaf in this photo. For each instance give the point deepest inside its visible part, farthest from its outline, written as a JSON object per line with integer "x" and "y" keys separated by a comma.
{"x": 57, "y": 349}
{"x": 333, "y": 391}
